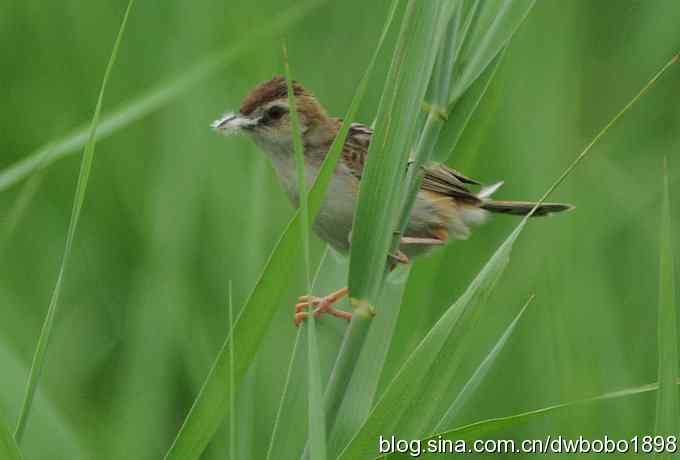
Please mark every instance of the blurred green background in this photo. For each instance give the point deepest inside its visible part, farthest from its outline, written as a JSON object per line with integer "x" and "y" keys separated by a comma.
{"x": 174, "y": 212}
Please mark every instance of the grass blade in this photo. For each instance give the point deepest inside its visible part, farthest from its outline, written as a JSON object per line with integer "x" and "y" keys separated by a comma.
{"x": 465, "y": 108}
{"x": 406, "y": 384}
{"x": 8, "y": 447}
{"x": 316, "y": 419}
{"x": 210, "y": 405}
{"x": 154, "y": 99}
{"x": 494, "y": 25}
{"x": 382, "y": 178}
{"x": 232, "y": 400}
{"x": 19, "y": 207}
{"x": 349, "y": 351}
{"x": 480, "y": 373}
{"x": 483, "y": 429}
{"x": 362, "y": 389}
{"x": 40, "y": 354}
{"x": 667, "y": 404}
{"x": 286, "y": 395}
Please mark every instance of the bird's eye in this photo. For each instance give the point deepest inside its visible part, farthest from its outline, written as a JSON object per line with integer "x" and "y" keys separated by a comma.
{"x": 275, "y": 112}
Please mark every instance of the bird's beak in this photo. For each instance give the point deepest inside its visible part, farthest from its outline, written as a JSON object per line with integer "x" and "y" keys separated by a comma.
{"x": 232, "y": 123}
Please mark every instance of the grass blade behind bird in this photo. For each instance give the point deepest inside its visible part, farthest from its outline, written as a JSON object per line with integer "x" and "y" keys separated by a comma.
{"x": 40, "y": 354}
{"x": 155, "y": 98}
{"x": 316, "y": 419}
{"x": 667, "y": 404}
{"x": 210, "y": 405}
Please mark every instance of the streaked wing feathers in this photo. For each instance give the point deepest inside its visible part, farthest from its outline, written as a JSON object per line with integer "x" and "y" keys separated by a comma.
{"x": 438, "y": 178}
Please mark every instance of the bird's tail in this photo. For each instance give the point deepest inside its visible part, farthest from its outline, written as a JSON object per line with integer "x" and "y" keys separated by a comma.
{"x": 522, "y": 208}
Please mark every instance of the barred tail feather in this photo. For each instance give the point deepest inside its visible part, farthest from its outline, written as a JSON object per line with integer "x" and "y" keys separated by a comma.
{"x": 522, "y": 208}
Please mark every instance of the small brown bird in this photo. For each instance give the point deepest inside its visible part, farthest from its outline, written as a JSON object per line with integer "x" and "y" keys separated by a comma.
{"x": 445, "y": 206}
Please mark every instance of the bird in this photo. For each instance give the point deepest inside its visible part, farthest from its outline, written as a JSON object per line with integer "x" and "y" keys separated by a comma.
{"x": 445, "y": 206}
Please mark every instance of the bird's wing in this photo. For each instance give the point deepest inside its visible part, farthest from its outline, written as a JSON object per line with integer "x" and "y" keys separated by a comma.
{"x": 438, "y": 178}
{"x": 355, "y": 150}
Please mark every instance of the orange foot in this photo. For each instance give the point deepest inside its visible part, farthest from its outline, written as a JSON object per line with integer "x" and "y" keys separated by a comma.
{"x": 321, "y": 305}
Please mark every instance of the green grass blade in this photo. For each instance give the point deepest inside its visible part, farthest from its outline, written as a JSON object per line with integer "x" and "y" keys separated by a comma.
{"x": 667, "y": 404}
{"x": 382, "y": 181}
{"x": 362, "y": 389}
{"x": 154, "y": 99}
{"x": 232, "y": 400}
{"x": 494, "y": 25}
{"x": 18, "y": 209}
{"x": 407, "y": 382}
{"x": 251, "y": 325}
{"x": 485, "y": 428}
{"x": 465, "y": 108}
{"x": 316, "y": 419}
{"x": 480, "y": 373}
{"x": 8, "y": 447}
{"x": 51, "y": 428}
{"x": 347, "y": 357}
{"x": 40, "y": 354}
{"x": 287, "y": 396}
{"x": 406, "y": 385}
{"x": 316, "y": 422}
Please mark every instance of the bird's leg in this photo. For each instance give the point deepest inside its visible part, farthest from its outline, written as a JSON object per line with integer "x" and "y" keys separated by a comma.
{"x": 322, "y": 305}
{"x": 398, "y": 258}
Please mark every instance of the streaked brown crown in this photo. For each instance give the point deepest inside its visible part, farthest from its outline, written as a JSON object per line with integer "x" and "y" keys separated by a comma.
{"x": 268, "y": 91}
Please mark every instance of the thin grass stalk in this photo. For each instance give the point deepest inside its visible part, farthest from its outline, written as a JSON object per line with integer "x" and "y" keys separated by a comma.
{"x": 19, "y": 207}
{"x": 40, "y": 355}
{"x": 674, "y": 60}
{"x": 316, "y": 418}
{"x": 289, "y": 372}
{"x": 667, "y": 402}
{"x": 232, "y": 397}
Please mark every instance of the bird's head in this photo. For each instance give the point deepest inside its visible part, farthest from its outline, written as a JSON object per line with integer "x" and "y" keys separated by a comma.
{"x": 264, "y": 115}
